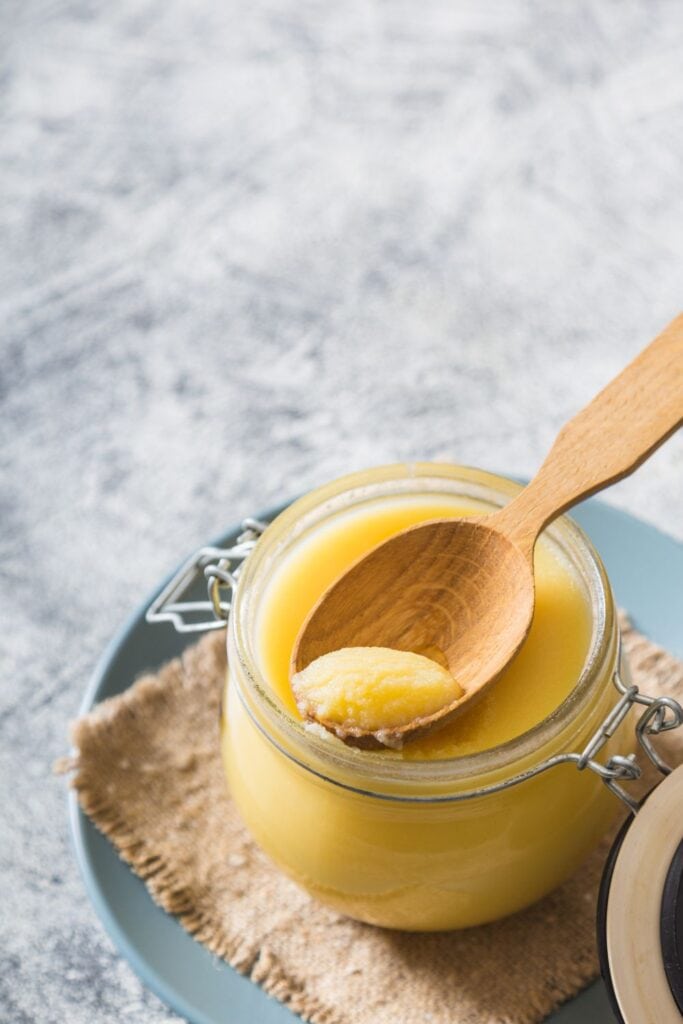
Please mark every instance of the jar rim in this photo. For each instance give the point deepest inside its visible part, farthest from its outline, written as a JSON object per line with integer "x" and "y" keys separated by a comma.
{"x": 373, "y": 773}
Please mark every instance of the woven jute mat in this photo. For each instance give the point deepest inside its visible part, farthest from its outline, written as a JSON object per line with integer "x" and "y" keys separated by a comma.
{"x": 147, "y": 771}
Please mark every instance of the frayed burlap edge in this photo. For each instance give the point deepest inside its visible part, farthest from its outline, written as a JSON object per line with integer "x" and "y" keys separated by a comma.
{"x": 205, "y": 660}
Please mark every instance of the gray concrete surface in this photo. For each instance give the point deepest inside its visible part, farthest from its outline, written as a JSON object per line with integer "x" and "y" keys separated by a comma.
{"x": 246, "y": 247}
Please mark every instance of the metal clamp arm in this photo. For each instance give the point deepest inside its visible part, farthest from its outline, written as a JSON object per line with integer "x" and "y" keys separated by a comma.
{"x": 660, "y": 715}
{"x": 220, "y": 567}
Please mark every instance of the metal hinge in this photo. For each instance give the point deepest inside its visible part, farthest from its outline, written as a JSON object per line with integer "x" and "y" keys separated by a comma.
{"x": 220, "y": 567}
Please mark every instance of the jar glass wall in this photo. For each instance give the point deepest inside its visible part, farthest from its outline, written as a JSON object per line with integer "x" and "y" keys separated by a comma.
{"x": 408, "y": 843}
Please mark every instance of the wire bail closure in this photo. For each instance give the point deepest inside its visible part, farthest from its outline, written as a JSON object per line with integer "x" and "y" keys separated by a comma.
{"x": 221, "y": 568}
{"x": 661, "y": 715}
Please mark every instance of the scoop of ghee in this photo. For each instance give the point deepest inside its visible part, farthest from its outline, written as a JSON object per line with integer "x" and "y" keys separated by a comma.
{"x": 375, "y": 690}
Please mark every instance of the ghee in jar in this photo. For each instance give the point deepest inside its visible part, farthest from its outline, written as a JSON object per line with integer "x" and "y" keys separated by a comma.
{"x": 422, "y": 837}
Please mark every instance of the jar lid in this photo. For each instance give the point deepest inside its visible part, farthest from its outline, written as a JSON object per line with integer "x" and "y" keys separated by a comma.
{"x": 640, "y": 911}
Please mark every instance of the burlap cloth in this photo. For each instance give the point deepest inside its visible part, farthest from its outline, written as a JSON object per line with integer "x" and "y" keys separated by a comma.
{"x": 148, "y": 773}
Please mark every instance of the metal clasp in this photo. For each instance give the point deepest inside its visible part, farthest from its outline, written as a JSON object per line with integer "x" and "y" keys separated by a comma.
{"x": 220, "y": 567}
{"x": 661, "y": 714}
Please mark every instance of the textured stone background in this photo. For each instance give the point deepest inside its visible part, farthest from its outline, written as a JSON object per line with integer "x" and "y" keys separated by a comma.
{"x": 246, "y": 247}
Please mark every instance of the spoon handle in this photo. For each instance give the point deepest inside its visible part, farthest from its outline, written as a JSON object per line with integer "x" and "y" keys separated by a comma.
{"x": 607, "y": 440}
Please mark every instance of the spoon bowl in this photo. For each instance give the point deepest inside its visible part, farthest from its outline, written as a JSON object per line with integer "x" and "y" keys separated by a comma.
{"x": 457, "y": 590}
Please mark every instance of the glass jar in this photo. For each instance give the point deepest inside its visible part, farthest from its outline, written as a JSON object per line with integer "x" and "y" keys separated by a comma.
{"x": 417, "y": 845}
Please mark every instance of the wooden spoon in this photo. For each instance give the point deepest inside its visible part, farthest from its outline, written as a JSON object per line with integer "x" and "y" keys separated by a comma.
{"x": 466, "y": 586}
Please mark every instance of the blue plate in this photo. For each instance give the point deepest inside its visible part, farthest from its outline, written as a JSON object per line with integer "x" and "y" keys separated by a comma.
{"x": 646, "y": 569}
